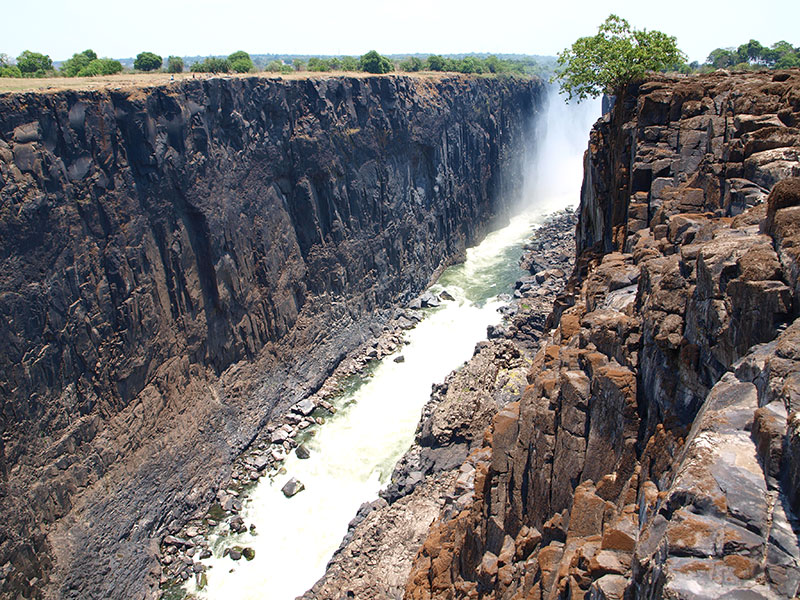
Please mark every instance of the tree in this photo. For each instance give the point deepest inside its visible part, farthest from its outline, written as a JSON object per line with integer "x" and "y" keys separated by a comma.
{"x": 240, "y": 62}
{"x": 72, "y": 66}
{"x": 33, "y": 63}
{"x": 147, "y": 61}
{"x": 318, "y": 64}
{"x": 412, "y": 64}
{"x": 211, "y": 65}
{"x": 299, "y": 64}
{"x": 722, "y": 58}
{"x": 372, "y": 62}
{"x": 174, "y": 64}
{"x": 614, "y": 57}
{"x": 7, "y": 69}
{"x": 274, "y": 66}
{"x": 437, "y": 63}
{"x": 350, "y": 63}
{"x": 752, "y": 52}
{"x": 101, "y": 66}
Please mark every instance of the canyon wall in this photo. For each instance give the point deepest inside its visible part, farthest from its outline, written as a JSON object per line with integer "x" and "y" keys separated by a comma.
{"x": 654, "y": 452}
{"x": 177, "y": 263}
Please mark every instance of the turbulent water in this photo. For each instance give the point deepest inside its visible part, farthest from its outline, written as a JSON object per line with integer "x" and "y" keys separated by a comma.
{"x": 353, "y": 454}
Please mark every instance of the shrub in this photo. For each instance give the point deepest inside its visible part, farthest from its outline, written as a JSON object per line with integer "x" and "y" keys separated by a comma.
{"x": 30, "y": 63}
{"x": 411, "y": 65}
{"x": 71, "y": 67}
{"x": 240, "y": 62}
{"x": 211, "y": 65}
{"x": 10, "y": 71}
{"x": 318, "y": 64}
{"x": 101, "y": 66}
{"x": 175, "y": 64}
{"x": 147, "y": 61}
{"x": 437, "y": 63}
{"x": 350, "y": 63}
{"x": 299, "y": 64}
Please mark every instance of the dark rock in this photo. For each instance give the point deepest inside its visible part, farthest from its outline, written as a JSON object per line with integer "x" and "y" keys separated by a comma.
{"x": 302, "y": 451}
{"x": 292, "y": 487}
{"x": 399, "y": 358}
{"x": 304, "y": 407}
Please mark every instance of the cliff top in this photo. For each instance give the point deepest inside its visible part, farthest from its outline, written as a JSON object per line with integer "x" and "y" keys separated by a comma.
{"x": 142, "y": 80}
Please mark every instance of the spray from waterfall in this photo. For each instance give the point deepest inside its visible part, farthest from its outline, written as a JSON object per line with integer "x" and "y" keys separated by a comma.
{"x": 558, "y": 139}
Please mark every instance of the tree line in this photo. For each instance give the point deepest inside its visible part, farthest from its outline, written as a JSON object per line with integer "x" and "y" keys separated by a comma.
{"x": 88, "y": 64}
{"x": 753, "y": 55}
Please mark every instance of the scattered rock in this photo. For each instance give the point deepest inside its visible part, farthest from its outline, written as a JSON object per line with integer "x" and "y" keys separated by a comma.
{"x": 292, "y": 487}
{"x": 302, "y": 451}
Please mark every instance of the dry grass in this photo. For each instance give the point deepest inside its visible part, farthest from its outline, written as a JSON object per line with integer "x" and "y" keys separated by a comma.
{"x": 140, "y": 80}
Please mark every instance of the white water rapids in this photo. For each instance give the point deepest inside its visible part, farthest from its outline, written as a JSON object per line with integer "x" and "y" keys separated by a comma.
{"x": 353, "y": 454}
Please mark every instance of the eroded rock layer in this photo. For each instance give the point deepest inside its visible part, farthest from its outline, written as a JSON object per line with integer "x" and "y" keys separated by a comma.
{"x": 177, "y": 263}
{"x": 654, "y": 452}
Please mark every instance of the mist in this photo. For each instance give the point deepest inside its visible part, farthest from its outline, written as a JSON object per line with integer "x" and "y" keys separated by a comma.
{"x": 559, "y": 137}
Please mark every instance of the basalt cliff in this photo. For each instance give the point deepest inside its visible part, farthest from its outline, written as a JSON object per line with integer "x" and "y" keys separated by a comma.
{"x": 655, "y": 452}
{"x": 180, "y": 264}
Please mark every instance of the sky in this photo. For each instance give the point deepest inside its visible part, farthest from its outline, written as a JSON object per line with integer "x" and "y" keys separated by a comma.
{"x": 351, "y": 27}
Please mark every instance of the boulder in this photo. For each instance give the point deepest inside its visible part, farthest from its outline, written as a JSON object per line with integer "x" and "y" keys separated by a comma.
{"x": 302, "y": 452}
{"x": 304, "y": 407}
{"x": 429, "y": 300}
{"x": 292, "y": 487}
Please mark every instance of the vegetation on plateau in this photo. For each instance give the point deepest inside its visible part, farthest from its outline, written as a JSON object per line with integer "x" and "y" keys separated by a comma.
{"x": 616, "y": 56}
{"x": 593, "y": 65}
{"x": 147, "y": 61}
{"x": 174, "y": 64}
{"x": 752, "y": 55}
{"x": 238, "y": 62}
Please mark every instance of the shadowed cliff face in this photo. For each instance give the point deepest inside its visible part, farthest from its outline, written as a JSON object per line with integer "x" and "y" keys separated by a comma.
{"x": 152, "y": 238}
{"x": 655, "y": 451}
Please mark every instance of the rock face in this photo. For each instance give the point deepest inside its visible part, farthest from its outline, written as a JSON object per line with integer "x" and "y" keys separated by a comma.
{"x": 178, "y": 263}
{"x": 654, "y": 452}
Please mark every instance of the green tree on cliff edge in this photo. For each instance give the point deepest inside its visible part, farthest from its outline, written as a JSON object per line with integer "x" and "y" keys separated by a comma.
{"x": 614, "y": 57}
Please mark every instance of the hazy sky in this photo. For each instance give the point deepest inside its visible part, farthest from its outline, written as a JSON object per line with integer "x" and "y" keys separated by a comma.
{"x": 122, "y": 29}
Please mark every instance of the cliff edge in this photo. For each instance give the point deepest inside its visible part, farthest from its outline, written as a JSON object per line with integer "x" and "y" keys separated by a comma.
{"x": 655, "y": 451}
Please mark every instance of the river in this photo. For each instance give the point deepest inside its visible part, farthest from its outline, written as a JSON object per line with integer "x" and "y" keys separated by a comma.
{"x": 353, "y": 454}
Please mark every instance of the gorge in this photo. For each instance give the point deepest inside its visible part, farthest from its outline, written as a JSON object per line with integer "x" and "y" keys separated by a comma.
{"x": 182, "y": 265}
{"x": 179, "y": 263}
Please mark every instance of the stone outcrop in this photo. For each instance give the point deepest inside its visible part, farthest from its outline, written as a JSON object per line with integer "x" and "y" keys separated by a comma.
{"x": 179, "y": 263}
{"x": 654, "y": 451}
